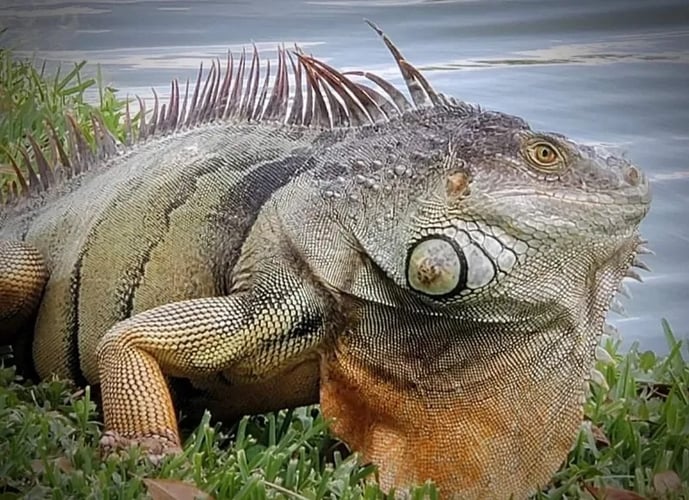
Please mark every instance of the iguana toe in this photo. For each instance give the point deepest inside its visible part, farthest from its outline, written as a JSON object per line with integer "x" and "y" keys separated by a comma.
{"x": 155, "y": 447}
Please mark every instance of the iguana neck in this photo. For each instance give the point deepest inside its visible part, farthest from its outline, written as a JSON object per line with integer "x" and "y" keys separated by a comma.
{"x": 523, "y": 415}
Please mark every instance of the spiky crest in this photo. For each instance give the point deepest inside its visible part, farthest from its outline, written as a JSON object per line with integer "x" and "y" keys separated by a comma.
{"x": 333, "y": 100}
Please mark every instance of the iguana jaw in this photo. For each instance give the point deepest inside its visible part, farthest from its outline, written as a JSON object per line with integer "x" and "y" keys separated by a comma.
{"x": 506, "y": 443}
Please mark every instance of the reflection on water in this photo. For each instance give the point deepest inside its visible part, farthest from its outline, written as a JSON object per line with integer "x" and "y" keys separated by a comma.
{"x": 614, "y": 73}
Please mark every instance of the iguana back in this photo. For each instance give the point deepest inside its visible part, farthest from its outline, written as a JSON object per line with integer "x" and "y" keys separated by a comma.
{"x": 147, "y": 231}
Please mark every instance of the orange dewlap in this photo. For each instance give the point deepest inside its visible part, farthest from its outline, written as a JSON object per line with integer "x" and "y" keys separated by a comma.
{"x": 491, "y": 449}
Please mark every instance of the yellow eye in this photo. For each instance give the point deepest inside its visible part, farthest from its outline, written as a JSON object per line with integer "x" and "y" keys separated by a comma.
{"x": 544, "y": 156}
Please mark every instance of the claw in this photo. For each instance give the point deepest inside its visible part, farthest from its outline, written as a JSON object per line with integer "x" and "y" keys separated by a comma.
{"x": 155, "y": 448}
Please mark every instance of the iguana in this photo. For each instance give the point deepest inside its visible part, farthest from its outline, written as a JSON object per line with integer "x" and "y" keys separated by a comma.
{"x": 436, "y": 275}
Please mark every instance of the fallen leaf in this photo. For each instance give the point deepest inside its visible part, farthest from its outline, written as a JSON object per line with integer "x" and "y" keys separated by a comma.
{"x": 667, "y": 482}
{"x": 610, "y": 493}
{"x": 64, "y": 464}
{"x": 37, "y": 466}
{"x": 172, "y": 489}
{"x": 600, "y": 437}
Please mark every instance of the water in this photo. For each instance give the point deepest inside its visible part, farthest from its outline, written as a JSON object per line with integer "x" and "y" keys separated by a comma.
{"x": 615, "y": 72}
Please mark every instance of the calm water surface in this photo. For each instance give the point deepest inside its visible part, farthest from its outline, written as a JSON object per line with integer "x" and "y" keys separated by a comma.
{"x": 613, "y": 72}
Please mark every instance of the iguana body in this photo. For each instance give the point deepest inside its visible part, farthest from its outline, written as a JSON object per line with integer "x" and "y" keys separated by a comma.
{"x": 436, "y": 275}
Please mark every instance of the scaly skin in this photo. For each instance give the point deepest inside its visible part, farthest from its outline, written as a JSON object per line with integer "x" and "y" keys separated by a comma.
{"x": 438, "y": 281}
{"x": 21, "y": 284}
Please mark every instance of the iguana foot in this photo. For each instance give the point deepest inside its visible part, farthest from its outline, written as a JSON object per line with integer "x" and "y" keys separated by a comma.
{"x": 23, "y": 274}
{"x": 155, "y": 447}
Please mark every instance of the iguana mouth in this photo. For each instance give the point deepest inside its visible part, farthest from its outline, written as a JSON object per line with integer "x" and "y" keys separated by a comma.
{"x": 625, "y": 197}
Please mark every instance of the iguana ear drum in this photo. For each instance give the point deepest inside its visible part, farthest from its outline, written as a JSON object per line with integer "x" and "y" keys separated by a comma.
{"x": 437, "y": 267}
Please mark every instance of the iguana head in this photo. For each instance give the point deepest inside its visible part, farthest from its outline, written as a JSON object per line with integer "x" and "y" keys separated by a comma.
{"x": 492, "y": 253}
{"x": 499, "y": 212}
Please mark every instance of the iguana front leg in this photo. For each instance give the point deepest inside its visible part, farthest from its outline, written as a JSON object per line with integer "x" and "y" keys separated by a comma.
{"x": 246, "y": 335}
{"x": 23, "y": 274}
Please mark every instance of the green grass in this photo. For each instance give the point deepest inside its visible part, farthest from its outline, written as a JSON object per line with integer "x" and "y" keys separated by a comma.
{"x": 49, "y": 449}
{"x": 31, "y": 98}
{"x": 636, "y": 438}
{"x": 638, "y": 435}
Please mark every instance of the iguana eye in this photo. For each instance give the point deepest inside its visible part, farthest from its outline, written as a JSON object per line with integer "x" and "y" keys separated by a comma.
{"x": 544, "y": 156}
{"x": 436, "y": 267}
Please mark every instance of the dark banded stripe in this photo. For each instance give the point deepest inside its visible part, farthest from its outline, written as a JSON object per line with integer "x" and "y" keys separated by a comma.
{"x": 180, "y": 199}
{"x": 72, "y": 322}
{"x": 239, "y": 207}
